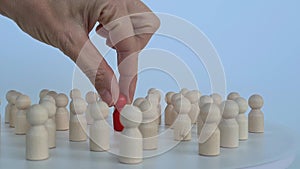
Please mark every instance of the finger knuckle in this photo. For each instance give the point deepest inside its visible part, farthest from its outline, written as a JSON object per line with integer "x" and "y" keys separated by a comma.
{"x": 155, "y": 23}
{"x": 65, "y": 42}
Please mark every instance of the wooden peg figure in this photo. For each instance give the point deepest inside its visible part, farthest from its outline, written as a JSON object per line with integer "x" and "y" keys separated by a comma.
{"x": 91, "y": 98}
{"x": 37, "y": 135}
{"x": 50, "y": 123}
{"x": 62, "y": 114}
{"x": 23, "y": 103}
{"x": 233, "y": 96}
{"x": 169, "y": 108}
{"x": 13, "y": 109}
{"x": 52, "y": 94}
{"x": 156, "y": 92}
{"x": 184, "y": 91}
{"x": 154, "y": 100}
{"x": 202, "y": 101}
{"x": 148, "y": 126}
{"x": 256, "y": 116}
{"x": 8, "y": 106}
{"x": 217, "y": 98}
{"x": 138, "y": 101}
{"x": 100, "y": 129}
{"x": 158, "y": 96}
{"x": 229, "y": 127}
{"x": 242, "y": 118}
{"x": 75, "y": 93}
{"x": 43, "y": 93}
{"x": 131, "y": 147}
{"x": 209, "y": 139}
{"x": 48, "y": 98}
{"x": 183, "y": 125}
{"x": 78, "y": 124}
{"x": 174, "y": 114}
{"x": 193, "y": 96}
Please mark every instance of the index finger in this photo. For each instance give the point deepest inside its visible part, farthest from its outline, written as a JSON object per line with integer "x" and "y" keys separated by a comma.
{"x": 127, "y": 51}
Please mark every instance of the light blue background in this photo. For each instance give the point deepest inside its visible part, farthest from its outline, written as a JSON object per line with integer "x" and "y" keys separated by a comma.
{"x": 258, "y": 43}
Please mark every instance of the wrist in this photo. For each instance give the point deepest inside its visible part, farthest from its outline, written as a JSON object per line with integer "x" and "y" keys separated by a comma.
{"x": 3, "y": 4}
{"x": 7, "y": 8}
{"x": 1, "y": 10}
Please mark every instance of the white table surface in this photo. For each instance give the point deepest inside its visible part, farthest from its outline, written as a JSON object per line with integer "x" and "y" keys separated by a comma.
{"x": 275, "y": 148}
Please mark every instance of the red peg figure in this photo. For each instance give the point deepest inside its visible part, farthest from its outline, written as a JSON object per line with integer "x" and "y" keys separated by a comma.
{"x": 116, "y": 115}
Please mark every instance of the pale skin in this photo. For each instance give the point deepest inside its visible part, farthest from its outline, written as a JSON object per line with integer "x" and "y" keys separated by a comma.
{"x": 66, "y": 24}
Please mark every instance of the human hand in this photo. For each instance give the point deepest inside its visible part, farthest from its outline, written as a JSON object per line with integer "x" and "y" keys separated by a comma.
{"x": 126, "y": 24}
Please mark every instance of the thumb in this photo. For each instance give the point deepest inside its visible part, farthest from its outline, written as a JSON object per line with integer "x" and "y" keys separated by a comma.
{"x": 86, "y": 56}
